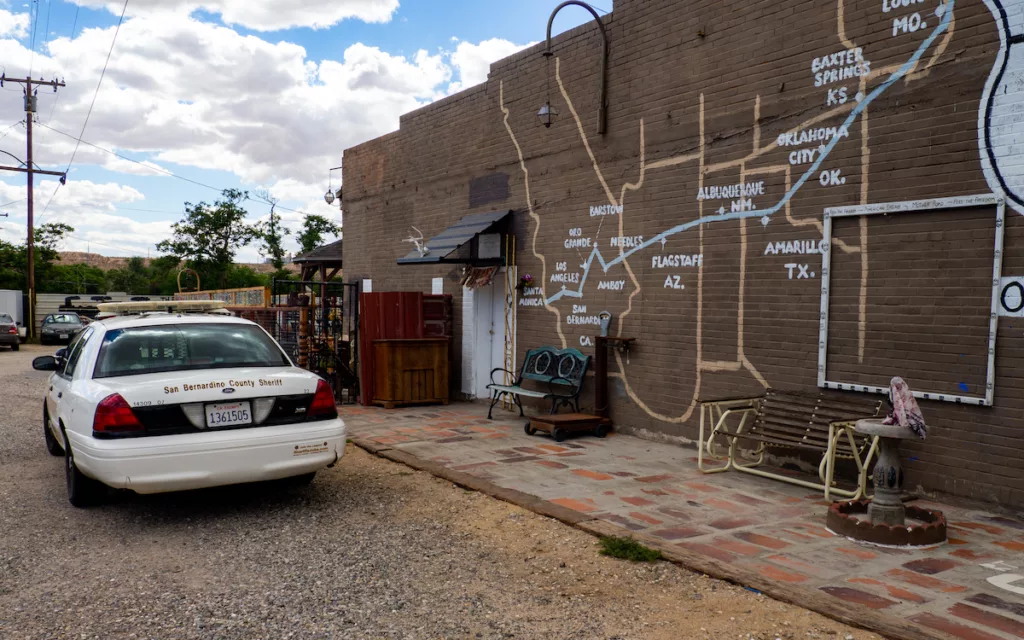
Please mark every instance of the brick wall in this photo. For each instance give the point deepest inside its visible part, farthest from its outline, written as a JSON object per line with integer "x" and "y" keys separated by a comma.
{"x": 707, "y": 95}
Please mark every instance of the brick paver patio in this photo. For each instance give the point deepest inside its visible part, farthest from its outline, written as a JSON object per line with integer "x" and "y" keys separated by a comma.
{"x": 970, "y": 588}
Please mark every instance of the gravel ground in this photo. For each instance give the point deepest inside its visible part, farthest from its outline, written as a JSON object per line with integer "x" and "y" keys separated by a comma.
{"x": 370, "y": 550}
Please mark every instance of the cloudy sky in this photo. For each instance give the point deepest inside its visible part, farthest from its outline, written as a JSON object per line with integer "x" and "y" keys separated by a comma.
{"x": 248, "y": 94}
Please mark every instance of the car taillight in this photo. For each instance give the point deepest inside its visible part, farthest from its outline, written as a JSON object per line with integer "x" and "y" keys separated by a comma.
{"x": 12, "y": 330}
{"x": 323, "y": 403}
{"x": 114, "y": 415}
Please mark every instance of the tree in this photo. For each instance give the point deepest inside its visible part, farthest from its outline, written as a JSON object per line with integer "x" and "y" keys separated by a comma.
{"x": 314, "y": 228}
{"x": 271, "y": 233}
{"x": 49, "y": 236}
{"x": 134, "y": 277}
{"x": 207, "y": 237}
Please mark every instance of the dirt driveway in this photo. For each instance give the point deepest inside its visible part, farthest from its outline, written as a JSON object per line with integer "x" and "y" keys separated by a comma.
{"x": 370, "y": 550}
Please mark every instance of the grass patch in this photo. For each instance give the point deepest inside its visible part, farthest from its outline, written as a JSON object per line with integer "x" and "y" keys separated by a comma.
{"x": 628, "y": 549}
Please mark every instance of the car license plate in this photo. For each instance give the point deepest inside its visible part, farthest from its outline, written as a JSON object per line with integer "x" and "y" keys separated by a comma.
{"x": 63, "y": 336}
{"x": 228, "y": 414}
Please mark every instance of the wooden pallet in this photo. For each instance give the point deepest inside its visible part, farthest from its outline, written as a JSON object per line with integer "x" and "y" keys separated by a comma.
{"x": 560, "y": 425}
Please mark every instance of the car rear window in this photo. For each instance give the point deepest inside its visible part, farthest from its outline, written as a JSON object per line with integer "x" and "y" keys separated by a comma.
{"x": 6, "y": 319}
{"x": 139, "y": 350}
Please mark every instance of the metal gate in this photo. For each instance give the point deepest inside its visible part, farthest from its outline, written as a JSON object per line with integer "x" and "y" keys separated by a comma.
{"x": 317, "y": 325}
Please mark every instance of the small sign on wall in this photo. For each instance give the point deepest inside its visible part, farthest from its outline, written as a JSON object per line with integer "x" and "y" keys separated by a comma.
{"x": 488, "y": 246}
{"x": 367, "y": 286}
{"x": 1011, "y": 297}
{"x": 437, "y": 286}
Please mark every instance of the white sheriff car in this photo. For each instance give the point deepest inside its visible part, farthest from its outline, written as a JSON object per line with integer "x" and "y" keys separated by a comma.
{"x": 158, "y": 402}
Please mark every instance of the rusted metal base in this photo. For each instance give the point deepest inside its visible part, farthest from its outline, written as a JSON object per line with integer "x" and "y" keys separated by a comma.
{"x": 842, "y": 520}
{"x": 560, "y": 425}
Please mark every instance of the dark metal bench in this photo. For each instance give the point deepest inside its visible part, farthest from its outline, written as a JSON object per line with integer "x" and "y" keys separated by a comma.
{"x": 821, "y": 423}
{"x": 554, "y": 374}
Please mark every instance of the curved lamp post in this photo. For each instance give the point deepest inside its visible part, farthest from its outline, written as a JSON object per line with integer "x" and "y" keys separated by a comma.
{"x": 602, "y": 116}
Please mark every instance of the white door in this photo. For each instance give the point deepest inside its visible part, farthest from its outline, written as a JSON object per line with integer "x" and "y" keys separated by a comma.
{"x": 483, "y": 348}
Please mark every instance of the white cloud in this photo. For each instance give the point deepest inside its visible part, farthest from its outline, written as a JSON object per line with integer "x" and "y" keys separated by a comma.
{"x": 90, "y": 208}
{"x": 473, "y": 61}
{"x": 262, "y": 15}
{"x": 13, "y": 24}
{"x": 261, "y": 110}
{"x": 198, "y": 94}
{"x": 143, "y": 168}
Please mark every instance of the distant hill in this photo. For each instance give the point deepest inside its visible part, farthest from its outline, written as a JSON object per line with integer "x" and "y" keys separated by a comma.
{"x": 107, "y": 263}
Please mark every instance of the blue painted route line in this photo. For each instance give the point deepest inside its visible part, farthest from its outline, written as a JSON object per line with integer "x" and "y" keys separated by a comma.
{"x": 947, "y": 17}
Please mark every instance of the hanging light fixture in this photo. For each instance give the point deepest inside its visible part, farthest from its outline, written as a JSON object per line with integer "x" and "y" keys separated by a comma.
{"x": 547, "y": 114}
{"x": 330, "y": 197}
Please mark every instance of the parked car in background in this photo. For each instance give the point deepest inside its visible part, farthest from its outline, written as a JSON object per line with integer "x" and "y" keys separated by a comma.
{"x": 169, "y": 401}
{"x": 60, "y": 328}
{"x": 9, "y": 335}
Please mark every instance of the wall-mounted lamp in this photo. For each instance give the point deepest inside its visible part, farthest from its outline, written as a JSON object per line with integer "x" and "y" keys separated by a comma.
{"x": 330, "y": 196}
{"x": 547, "y": 112}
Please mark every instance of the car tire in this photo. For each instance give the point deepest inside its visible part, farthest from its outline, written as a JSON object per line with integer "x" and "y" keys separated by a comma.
{"x": 82, "y": 491}
{"x": 16, "y": 346}
{"x": 52, "y": 445}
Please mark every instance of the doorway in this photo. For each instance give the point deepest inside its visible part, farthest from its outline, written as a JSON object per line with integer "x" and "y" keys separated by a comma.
{"x": 483, "y": 335}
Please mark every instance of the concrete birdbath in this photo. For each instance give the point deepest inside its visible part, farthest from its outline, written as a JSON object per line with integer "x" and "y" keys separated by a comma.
{"x": 887, "y": 506}
{"x": 885, "y": 520}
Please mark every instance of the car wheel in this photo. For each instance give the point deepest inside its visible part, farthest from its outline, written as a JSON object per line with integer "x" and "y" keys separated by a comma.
{"x": 52, "y": 445}
{"x": 558, "y": 435}
{"x": 15, "y": 346}
{"x": 82, "y": 491}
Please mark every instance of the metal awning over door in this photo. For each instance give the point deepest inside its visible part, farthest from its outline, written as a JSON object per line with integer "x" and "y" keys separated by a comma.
{"x": 477, "y": 239}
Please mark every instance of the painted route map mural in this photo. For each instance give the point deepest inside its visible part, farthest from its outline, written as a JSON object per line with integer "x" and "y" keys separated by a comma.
{"x": 757, "y": 191}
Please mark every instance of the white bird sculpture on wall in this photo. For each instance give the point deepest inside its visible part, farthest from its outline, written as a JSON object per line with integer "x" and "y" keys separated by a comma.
{"x": 422, "y": 248}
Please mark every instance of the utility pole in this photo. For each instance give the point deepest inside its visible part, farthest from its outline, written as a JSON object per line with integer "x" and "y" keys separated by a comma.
{"x": 30, "y": 111}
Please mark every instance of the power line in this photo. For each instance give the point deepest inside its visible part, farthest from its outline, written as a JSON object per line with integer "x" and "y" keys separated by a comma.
{"x": 124, "y": 157}
{"x": 80, "y": 239}
{"x": 35, "y": 24}
{"x": 92, "y": 242}
{"x": 92, "y": 105}
{"x": 10, "y": 128}
{"x": 74, "y": 26}
{"x": 99, "y": 84}
{"x": 49, "y": 5}
{"x": 120, "y": 208}
{"x": 154, "y": 168}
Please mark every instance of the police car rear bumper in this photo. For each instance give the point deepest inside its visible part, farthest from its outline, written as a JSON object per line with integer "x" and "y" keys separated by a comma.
{"x": 194, "y": 461}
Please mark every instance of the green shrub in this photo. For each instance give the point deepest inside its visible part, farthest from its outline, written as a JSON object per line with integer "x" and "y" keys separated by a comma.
{"x": 628, "y": 549}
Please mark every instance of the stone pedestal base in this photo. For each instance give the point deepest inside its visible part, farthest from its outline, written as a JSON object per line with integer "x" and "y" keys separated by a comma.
{"x": 887, "y": 507}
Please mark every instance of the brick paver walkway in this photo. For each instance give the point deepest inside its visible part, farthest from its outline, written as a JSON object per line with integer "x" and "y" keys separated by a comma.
{"x": 970, "y": 588}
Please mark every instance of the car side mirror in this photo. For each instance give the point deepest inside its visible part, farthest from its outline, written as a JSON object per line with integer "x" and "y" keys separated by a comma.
{"x": 45, "y": 363}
